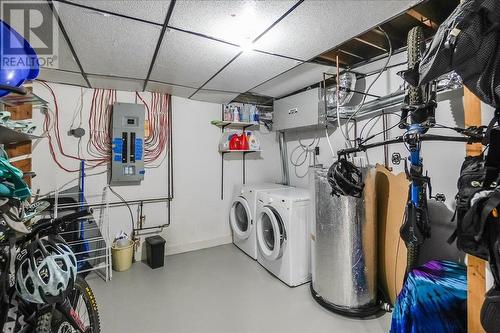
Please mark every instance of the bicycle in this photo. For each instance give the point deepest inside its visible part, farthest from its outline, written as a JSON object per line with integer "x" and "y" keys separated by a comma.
{"x": 74, "y": 309}
{"x": 419, "y": 107}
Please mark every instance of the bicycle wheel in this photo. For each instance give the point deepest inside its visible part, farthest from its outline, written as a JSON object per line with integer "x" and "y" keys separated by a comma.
{"x": 416, "y": 48}
{"x": 83, "y": 302}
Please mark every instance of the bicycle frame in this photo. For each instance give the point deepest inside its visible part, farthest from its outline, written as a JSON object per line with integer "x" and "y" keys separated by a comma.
{"x": 415, "y": 160}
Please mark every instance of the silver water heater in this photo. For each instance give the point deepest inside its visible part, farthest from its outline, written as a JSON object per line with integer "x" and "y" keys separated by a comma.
{"x": 344, "y": 248}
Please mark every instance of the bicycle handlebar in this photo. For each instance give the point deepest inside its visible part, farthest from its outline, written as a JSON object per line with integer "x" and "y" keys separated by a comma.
{"x": 406, "y": 138}
{"x": 55, "y": 223}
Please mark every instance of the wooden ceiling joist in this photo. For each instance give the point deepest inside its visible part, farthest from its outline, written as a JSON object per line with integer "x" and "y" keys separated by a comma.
{"x": 422, "y": 19}
{"x": 371, "y": 44}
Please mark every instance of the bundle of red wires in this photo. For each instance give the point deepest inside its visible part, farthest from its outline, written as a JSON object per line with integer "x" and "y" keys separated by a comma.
{"x": 157, "y": 119}
{"x": 99, "y": 122}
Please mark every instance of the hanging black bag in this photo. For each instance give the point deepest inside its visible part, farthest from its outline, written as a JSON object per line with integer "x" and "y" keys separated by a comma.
{"x": 468, "y": 43}
{"x": 478, "y": 218}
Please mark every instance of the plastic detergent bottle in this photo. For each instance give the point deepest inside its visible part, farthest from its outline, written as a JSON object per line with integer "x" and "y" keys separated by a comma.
{"x": 235, "y": 142}
{"x": 256, "y": 116}
{"x": 228, "y": 116}
{"x": 244, "y": 142}
{"x": 236, "y": 114}
{"x": 224, "y": 141}
{"x": 253, "y": 141}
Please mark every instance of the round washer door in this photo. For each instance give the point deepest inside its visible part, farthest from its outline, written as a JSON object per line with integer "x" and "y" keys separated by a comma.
{"x": 240, "y": 218}
{"x": 271, "y": 233}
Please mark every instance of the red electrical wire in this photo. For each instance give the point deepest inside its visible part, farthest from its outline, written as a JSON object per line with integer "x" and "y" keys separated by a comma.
{"x": 99, "y": 123}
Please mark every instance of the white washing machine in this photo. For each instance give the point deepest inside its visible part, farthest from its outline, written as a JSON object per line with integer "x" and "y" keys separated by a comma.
{"x": 283, "y": 234}
{"x": 242, "y": 215}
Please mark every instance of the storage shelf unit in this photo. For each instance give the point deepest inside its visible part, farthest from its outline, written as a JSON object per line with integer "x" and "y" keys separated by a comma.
{"x": 10, "y": 136}
{"x": 239, "y": 151}
{"x": 241, "y": 125}
{"x": 13, "y": 100}
{"x": 235, "y": 124}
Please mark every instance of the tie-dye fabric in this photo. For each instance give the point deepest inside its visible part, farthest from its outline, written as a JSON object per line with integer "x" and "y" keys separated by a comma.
{"x": 433, "y": 299}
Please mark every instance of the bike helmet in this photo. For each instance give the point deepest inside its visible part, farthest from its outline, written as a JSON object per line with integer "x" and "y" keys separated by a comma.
{"x": 345, "y": 179}
{"x": 45, "y": 269}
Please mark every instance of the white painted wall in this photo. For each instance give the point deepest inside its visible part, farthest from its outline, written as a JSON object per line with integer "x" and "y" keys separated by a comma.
{"x": 199, "y": 216}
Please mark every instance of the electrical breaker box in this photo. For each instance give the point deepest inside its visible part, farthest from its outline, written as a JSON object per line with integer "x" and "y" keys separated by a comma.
{"x": 127, "y": 158}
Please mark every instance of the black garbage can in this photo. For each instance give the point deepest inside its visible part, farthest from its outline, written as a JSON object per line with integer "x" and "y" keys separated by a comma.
{"x": 155, "y": 251}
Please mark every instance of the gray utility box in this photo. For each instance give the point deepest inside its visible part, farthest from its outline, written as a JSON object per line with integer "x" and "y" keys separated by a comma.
{"x": 127, "y": 161}
{"x": 297, "y": 111}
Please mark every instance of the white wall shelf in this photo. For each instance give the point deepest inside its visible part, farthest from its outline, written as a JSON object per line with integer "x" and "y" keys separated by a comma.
{"x": 10, "y": 136}
{"x": 234, "y": 124}
{"x": 239, "y": 151}
{"x": 222, "y": 124}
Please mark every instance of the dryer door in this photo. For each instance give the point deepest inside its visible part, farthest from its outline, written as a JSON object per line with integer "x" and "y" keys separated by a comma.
{"x": 271, "y": 234}
{"x": 240, "y": 218}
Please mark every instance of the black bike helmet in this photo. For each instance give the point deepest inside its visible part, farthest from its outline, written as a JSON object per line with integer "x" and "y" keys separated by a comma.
{"x": 345, "y": 179}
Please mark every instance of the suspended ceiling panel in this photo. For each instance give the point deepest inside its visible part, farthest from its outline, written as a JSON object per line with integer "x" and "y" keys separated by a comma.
{"x": 219, "y": 97}
{"x": 297, "y": 78}
{"x": 154, "y": 11}
{"x": 316, "y": 26}
{"x": 190, "y": 60}
{"x": 235, "y": 21}
{"x": 170, "y": 89}
{"x": 64, "y": 58}
{"x": 110, "y": 45}
{"x": 58, "y": 76}
{"x": 103, "y": 82}
{"x": 249, "y": 70}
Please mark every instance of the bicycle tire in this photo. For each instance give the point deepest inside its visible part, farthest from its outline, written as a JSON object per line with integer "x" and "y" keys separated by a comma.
{"x": 416, "y": 49}
{"x": 50, "y": 322}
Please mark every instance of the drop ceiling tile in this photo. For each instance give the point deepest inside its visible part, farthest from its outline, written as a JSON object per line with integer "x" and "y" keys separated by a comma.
{"x": 61, "y": 57}
{"x": 154, "y": 11}
{"x": 249, "y": 70}
{"x": 109, "y": 45}
{"x": 235, "y": 21}
{"x": 190, "y": 60}
{"x": 123, "y": 84}
{"x": 171, "y": 89}
{"x": 296, "y": 78}
{"x": 58, "y": 76}
{"x": 65, "y": 59}
{"x": 316, "y": 26}
{"x": 220, "y": 97}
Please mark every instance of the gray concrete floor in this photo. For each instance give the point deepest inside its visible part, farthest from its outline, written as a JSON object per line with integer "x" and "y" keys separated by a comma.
{"x": 214, "y": 290}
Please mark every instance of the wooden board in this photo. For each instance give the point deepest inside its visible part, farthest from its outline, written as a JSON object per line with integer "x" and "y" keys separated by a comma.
{"x": 24, "y": 166}
{"x": 392, "y": 196}
{"x": 476, "y": 283}
{"x": 21, "y": 112}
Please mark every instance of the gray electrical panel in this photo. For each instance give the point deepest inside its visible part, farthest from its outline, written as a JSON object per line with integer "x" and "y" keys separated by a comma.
{"x": 296, "y": 111}
{"x": 127, "y": 160}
